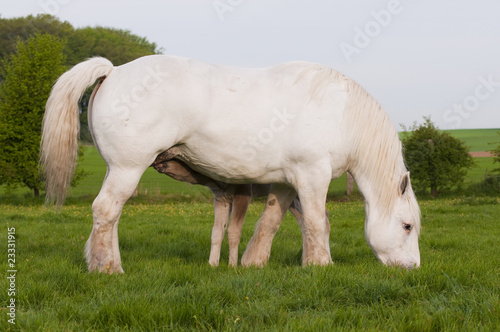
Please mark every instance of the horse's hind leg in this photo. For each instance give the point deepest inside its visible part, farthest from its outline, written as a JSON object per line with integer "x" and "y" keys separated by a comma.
{"x": 102, "y": 252}
{"x": 259, "y": 247}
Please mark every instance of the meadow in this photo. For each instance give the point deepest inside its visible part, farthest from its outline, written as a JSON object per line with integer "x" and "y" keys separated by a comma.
{"x": 169, "y": 285}
{"x": 478, "y": 139}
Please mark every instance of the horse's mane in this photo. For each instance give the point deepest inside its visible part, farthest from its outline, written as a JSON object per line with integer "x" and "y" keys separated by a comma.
{"x": 377, "y": 151}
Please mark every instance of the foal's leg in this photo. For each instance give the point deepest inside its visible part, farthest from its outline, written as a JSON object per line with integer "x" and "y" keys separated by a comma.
{"x": 296, "y": 209}
{"x": 259, "y": 247}
{"x": 222, "y": 208}
{"x": 242, "y": 198}
{"x": 102, "y": 250}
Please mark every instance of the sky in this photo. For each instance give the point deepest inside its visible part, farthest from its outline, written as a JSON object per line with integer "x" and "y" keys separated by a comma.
{"x": 438, "y": 58}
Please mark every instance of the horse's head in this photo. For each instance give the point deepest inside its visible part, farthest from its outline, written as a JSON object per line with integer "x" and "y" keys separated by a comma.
{"x": 393, "y": 236}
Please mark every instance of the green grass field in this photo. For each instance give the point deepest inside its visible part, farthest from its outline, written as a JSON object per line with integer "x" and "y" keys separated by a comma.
{"x": 169, "y": 285}
{"x": 478, "y": 139}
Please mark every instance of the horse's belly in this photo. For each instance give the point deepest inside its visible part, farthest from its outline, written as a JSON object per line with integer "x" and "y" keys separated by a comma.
{"x": 230, "y": 166}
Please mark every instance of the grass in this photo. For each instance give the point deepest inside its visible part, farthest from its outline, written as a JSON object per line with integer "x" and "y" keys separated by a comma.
{"x": 478, "y": 139}
{"x": 477, "y": 173}
{"x": 169, "y": 285}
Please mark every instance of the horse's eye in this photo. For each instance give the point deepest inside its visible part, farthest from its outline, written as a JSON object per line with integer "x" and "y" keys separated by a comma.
{"x": 407, "y": 227}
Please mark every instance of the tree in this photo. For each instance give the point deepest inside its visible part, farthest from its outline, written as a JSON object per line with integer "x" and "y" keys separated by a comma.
{"x": 30, "y": 73}
{"x": 496, "y": 158}
{"x": 119, "y": 46}
{"x": 13, "y": 29}
{"x": 22, "y": 28}
{"x": 436, "y": 159}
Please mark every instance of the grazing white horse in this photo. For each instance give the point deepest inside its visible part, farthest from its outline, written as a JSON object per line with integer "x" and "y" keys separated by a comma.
{"x": 297, "y": 125}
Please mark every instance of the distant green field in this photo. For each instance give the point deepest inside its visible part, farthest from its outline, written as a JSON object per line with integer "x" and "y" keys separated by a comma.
{"x": 478, "y": 139}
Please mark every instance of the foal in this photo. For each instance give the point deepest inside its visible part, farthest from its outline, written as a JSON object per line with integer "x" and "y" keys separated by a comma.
{"x": 230, "y": 200}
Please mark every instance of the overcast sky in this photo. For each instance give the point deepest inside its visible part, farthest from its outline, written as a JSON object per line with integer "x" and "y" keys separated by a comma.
{"x": 417, "y": 58}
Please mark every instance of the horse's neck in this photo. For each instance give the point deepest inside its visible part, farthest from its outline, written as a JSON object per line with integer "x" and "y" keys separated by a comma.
{"x": 377, "y": 184}
{"x": 365, "y": 185}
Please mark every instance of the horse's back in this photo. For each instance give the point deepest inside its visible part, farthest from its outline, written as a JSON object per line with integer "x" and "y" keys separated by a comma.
{"x": 252, "y": 119}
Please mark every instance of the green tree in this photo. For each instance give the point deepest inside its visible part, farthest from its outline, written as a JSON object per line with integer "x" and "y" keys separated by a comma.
{"x": 496, "y": 153}
{"x": 435, "y": 159}
{"x": 22, "y": 28}
{"x": 30, "y": 73}
{"x": 13, "y": 29}
{"x": 119, "y": 46}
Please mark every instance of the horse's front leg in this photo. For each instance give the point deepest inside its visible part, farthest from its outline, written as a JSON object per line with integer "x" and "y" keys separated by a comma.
{"x": 102, "y": 251}
{"x": 316, "y": 227}
{"x": 296, "y": 210}
{"x": 259, "y": 248}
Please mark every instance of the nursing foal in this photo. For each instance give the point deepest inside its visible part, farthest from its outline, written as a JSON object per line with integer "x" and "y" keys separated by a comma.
{"x": 230, "y": 201}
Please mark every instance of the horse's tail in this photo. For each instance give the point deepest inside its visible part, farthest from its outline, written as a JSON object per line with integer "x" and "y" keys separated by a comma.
{"x": 61, "y": 125}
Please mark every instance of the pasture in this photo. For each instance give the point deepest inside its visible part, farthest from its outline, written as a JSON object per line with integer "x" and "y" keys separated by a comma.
{"x": 477, "y": 139}
{"x": 169, "y": 285}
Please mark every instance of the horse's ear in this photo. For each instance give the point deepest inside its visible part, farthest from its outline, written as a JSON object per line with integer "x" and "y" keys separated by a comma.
{"x": 404, "y": 185}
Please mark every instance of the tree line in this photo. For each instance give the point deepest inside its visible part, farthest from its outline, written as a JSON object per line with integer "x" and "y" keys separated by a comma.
{"x": 119, "y": 46}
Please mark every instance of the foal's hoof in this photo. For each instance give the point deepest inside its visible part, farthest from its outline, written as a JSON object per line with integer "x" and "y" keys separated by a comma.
{"x": 257, "y": 261}
{"x": 107, "y": 269}
{"x": 318, "y": 262}
{"x": 213, "y": 263}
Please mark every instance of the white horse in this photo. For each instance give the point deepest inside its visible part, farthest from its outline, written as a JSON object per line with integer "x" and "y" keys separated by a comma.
{"x": 297, "y": 125}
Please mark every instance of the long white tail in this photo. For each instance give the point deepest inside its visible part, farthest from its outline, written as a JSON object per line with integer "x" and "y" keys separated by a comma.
{"x": 61, "y": 125}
